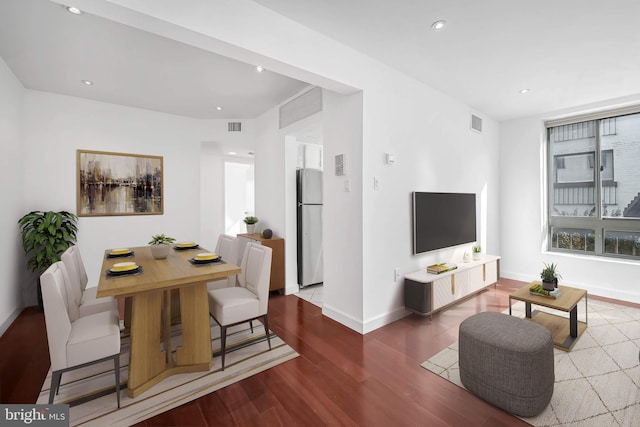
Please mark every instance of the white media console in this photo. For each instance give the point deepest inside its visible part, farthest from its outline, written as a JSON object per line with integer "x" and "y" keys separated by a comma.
{"x": 426, "y": 293}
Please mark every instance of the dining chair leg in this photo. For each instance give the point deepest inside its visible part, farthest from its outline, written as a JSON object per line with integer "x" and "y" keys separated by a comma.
{"x": 266, "y": 329}
{"x": 251, "y": 325}
{"x": 55, "y": 384}
{"x": 223, "y": 343}
{"x": 116, "y": 367}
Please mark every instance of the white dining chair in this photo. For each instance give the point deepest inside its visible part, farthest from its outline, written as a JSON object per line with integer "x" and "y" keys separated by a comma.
{"x": 247, "y": 302}
{"x": 75, "y": 342}
{"x": 84, "y": 297}
{"x": 227, "y": 249}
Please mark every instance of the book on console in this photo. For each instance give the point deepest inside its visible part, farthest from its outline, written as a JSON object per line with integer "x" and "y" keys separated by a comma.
{"x": 441, "y": 268}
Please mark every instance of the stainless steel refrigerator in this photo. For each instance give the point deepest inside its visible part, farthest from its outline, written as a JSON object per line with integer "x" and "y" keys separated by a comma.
{"x": 309, "y": 202}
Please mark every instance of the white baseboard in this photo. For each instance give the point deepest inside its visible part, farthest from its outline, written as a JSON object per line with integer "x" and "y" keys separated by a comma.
{"x": 591, "y": 290}
{"x": 368, "y": 326}
{"x": 341, "y": 317}
{"x": 385, "y": 319}
{"x": 9, "y": 321}
{"x": 516, "y": 276}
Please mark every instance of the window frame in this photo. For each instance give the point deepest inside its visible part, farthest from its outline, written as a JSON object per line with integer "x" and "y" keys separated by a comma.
{"x": 587, "y": 223}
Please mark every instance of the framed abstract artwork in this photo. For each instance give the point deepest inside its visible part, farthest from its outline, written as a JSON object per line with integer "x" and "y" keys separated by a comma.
{"x": 119, "y": 184}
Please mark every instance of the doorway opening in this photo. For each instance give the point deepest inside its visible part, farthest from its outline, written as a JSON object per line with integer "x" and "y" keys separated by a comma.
{"x": 239, "y": 196}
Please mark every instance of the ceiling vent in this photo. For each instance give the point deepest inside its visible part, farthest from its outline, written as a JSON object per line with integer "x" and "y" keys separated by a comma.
{"x": 476, "y": 123}
{"x": 234, "y": 126}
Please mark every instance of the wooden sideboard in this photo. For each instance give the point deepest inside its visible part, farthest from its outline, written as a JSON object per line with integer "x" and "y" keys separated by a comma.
{"x": 277, "y": 261}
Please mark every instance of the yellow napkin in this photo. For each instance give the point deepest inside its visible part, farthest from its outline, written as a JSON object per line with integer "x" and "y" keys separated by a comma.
{"x": 206, "y": 256}
{"x": 124, "y": 266}
{"x": 120, "y": 251}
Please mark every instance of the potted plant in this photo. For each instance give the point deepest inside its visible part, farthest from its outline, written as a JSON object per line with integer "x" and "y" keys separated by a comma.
{"x": 550, "y": 276}
{"x": 251, "y": 222}
{"x": 160, "y": 246}
{"x": 476, "y": 249}
{"x": 45, "y": 236}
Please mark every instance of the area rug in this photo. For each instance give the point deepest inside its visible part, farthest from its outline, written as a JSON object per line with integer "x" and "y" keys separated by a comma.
{"x": 249, "y": 355}
{"x": 597, "y": 383}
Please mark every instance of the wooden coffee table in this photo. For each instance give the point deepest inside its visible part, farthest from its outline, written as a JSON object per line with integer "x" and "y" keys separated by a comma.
{"x": 565, "y": 331}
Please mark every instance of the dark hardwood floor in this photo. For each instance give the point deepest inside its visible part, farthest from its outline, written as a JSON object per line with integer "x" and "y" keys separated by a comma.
{"x": 340, "y": 378}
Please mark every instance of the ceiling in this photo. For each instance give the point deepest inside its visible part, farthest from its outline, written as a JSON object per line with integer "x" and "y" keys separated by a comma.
{"x": 50, "y": 49}
{"x": 568, "y": 53}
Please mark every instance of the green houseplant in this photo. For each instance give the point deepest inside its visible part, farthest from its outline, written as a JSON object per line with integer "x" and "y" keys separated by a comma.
{"x": 476, "y": 249}
{"x": 251, "y": 222}
{"x": 45, "y": 236}
{"x": 550, "y": 276}
{"x": 160, "y": 245}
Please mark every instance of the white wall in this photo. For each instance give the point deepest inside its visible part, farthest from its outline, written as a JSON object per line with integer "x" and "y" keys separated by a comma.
{"x": 13, "y": 293}
{"x": 212, "y": 157}
{"x": 523, "y": 214}
{"x": 342, "y": 213}
{"x": 56, "y": 126}
{"x": 269, "y": 161}
{"x": 435, "y": 151}
{"x": 427, "y": 130}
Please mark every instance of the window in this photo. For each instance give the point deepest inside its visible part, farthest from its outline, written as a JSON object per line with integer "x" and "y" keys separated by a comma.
{"x": 594, "y": 184}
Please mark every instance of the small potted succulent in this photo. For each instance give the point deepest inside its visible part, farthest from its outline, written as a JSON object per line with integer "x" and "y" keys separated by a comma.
{"x": 251, "y": 222}
{"x": 160, "y": 245}
{"x": 476, "y": 249}
{"x": 550, "y": 276}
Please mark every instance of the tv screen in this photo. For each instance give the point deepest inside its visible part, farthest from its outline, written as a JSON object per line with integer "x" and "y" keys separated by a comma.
{"x": 442, "y": 220}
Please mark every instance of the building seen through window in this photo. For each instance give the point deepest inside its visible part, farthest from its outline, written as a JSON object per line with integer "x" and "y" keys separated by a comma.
{"x": 594, "y": 186}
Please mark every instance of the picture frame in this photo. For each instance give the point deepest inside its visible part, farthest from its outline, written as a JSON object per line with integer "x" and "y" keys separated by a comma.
{"x": 119, "y": 184}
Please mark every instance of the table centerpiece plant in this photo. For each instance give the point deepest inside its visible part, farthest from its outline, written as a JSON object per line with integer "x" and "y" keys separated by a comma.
{"x": 160, "y": 245}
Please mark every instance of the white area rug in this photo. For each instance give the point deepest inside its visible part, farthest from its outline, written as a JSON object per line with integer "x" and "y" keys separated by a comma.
{"x": 251, "y": 356}
{"x": 597, "y": 383}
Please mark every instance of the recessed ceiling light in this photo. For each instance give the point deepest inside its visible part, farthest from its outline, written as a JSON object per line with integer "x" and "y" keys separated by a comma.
{"x": 525, "y": 90}
{"x": 232, "y": 153}
{"x": 74, "y": 10}
{"x": 219, "y": 108}
{"x": 87, "y": 82}
{"x": 259, "y": 68}
{"x": 438, "y": 25}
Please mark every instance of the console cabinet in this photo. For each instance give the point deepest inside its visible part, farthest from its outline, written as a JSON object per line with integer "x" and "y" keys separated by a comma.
{"x": 277, "y": 256}
{"x": 425, "y": 293}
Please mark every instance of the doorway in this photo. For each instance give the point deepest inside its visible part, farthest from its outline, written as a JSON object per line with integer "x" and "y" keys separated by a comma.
{"x": 239, "y": 200}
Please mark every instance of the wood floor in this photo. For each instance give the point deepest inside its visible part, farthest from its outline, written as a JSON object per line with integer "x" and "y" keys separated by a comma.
{"x": 340, "y": 378}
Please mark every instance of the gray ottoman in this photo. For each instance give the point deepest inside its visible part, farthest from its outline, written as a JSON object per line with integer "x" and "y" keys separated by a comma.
{"x": 507, "y": 361}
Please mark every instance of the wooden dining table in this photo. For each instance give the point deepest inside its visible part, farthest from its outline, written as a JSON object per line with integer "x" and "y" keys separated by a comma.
{"x": 150, "y": 292}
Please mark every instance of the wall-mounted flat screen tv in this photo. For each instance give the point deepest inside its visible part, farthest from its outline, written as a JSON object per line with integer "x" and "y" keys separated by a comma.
{"x": 442, "y": 220}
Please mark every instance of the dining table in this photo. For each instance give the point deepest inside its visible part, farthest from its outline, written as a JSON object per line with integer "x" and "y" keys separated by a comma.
{"x": 149, "y": 290}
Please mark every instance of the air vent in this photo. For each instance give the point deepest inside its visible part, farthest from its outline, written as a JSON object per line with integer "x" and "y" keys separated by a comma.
{"x": 476, "y": 123}
{"x": 235, "y": 126}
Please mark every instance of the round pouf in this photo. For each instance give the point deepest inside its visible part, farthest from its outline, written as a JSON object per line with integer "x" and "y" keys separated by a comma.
{"x": 507, "y": 361}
